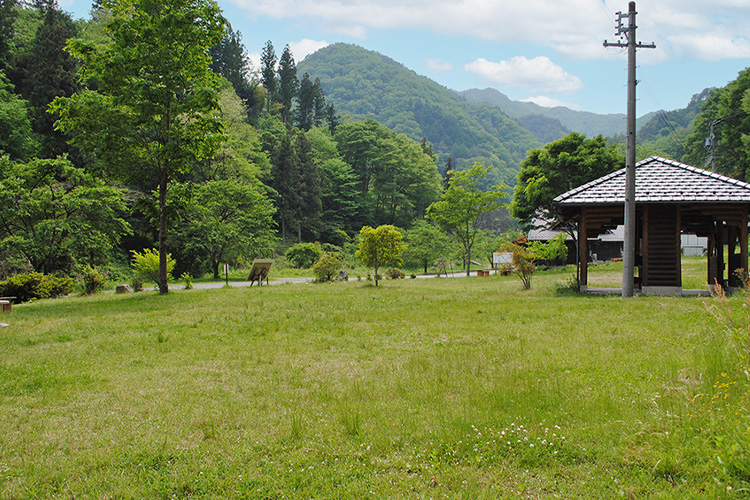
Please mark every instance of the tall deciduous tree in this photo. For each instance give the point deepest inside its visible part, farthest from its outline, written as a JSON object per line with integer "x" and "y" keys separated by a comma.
{"x": 558, "y": 167}
{"x": 463, "y": 205}
{"x": 380, "y": 247}
{"x": 227, "y": 219}
{"x": 154, "y": 113}
{"x": 427, "y": 243}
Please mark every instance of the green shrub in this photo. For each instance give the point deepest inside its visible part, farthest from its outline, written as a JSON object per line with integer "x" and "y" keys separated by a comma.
{"x": 137, "y": 284}
{"x": 327, "y": 266}
{"x": 92, "y": 279}
{"x": 188, "y": 280}
{"x": 394, "y": 273}
{"x": 146, "y": 265}
{"x": 303, "y": 255}
{"x": 28, "y": 286}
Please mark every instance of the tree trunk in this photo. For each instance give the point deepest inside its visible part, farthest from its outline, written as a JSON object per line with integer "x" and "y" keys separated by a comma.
{"x": 468, "y": 260}
{"x": 215, "y": 266}
{"x": 425, "y": 266}
{"x": 163, "y": 285}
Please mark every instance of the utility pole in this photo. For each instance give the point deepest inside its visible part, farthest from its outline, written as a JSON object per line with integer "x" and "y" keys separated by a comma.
{"x": 628, "y": 257}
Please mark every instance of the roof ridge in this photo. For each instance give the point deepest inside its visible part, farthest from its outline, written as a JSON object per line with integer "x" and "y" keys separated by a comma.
{"x": 589, "y": 184}
{"x": 661, "y": 180}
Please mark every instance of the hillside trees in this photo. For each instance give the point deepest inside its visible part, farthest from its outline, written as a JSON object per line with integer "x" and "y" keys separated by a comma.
{"x": 396, "y": 178}
{"x": 732, "y": 148}
{"x": 153, "y": 114}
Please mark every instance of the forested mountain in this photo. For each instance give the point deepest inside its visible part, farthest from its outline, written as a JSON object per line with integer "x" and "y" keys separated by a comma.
{"x": 364, "y": 84}
{"x": 587, "y": 123}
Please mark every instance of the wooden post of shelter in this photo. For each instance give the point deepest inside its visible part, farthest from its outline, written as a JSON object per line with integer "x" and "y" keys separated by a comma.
{"x": 583, "y": 251}
{"x": 743, "y": 240}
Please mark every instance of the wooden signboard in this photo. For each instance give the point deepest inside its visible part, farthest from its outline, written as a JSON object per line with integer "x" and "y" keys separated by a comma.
{"x": 259, "y": 271}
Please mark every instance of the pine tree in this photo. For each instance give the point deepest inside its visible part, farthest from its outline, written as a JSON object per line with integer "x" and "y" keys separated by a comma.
{"x": 228, "y": 59}
{"x": 286, "y": 182}
{"x": 8, "y": 16}
{"x": 332, "y": 119}
{"x": 319, "y": 104}
{"x": 304, "y": 114}
{"x": 288, "y": 84}
{"x": 48, "y": 72}
{"x": 268, "y": 72}
{"x": 310, "y": 187}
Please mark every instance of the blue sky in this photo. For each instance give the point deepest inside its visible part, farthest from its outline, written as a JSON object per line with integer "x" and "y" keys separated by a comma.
{"x": 545, "y": 51}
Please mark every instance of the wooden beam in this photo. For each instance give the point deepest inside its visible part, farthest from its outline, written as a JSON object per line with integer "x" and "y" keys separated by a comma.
{"x": 583, "y": 250}
{"x": 743, "y": 241}
{"x": 644, "y": 264}
{"x": 677, "y": 246}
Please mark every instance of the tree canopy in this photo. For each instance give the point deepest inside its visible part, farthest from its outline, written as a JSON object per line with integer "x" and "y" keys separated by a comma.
{"x": 463, "y": 205}
{"x": 559, "y": 167}
{"x": 380, "y": 247}
{"x": 154, "y": 111}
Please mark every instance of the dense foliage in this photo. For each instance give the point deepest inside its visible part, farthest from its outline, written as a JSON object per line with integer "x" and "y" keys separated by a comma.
{"x": 728, "y": 109}
{"x": 463, "y": 206}
{"x": 165, "y": 137}
{"x": 379, "y": 247}
{"x": 556, "y": 168}
{"x": 364, "y": 84}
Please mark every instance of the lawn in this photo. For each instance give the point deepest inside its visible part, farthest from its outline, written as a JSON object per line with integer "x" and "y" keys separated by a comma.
{"x": 437, "y": 388}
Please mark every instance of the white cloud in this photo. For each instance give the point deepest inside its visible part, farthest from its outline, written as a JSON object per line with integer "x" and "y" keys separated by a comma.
{"x": 539, "y": 74}
{"x": 438, "y": 65}
{"x": 573, "y": 27}
{"x": 550, "y": 102}
{"x": 710, "y": 47}
{"x": 305, "y": 47}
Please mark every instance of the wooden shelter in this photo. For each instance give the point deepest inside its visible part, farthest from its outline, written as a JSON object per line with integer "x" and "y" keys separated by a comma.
{"x": 671, "y": 198}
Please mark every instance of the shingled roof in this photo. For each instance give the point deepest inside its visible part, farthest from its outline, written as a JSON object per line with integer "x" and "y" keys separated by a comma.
{"x": 659, "y": 180}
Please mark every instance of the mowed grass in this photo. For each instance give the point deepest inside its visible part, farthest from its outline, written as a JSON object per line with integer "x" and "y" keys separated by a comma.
{"x": 437, "y": 388}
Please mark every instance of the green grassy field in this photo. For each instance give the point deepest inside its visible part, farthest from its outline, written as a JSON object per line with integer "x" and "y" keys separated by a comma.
{"x": 439, "y": 388}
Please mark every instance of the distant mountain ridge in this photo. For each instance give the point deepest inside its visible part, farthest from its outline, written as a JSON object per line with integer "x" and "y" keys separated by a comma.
{"x": 585, "y": 122}
{"x": 364, "y": 84}
{"x": 469, "y": 126}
